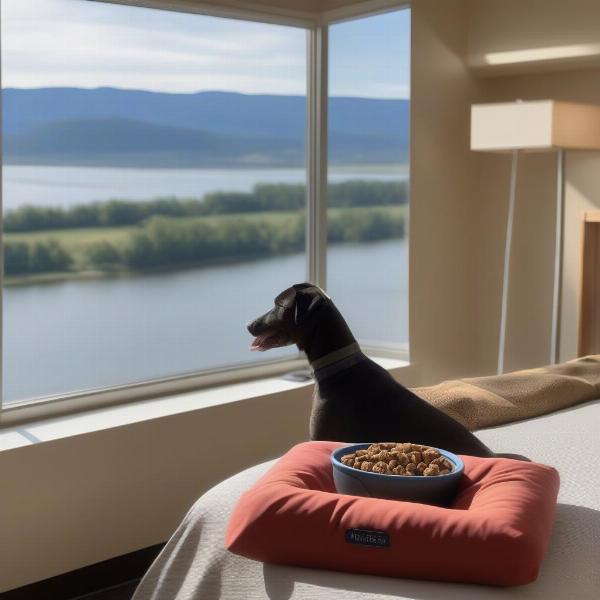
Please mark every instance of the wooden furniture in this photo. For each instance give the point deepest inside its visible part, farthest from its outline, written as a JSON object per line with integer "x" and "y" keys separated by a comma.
{"x": 589, "y": 307}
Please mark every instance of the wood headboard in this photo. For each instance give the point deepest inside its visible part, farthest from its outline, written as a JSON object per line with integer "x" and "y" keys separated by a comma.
{"x": 589, "y": 306}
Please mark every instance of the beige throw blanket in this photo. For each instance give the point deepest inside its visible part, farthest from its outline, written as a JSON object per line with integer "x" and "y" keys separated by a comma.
{"x": 486, "y": 401}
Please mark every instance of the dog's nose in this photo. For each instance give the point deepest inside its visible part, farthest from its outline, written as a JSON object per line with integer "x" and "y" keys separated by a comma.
{"x": 250, "y": 326}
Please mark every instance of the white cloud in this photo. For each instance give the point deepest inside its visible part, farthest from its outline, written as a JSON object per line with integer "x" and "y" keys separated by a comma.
{"x": 372, "y": 90}
{"x": 78, "y": 43}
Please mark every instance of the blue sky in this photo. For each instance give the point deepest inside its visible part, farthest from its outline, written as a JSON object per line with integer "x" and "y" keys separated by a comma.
{"x": 371, "y": 56}
{"x": 78, "y": 43}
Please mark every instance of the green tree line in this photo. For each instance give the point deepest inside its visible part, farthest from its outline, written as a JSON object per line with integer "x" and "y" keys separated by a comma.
{"x": 21, "y": 258}
{"x": 166, "y": 242}
{"x": 262, "y": 198}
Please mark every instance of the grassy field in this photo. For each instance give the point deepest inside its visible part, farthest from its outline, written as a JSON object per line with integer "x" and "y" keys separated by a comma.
{"x": 75, "y": 241}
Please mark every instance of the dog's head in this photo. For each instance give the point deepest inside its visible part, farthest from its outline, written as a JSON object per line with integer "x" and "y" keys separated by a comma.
{"x": 287, "y": 322}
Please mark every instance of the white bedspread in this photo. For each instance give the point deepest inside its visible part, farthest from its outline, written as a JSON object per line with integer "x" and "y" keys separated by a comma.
{"x": 195, "y": 566}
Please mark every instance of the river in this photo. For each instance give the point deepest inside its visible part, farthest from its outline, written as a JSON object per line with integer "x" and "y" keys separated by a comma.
{"x": 84, "y": 334}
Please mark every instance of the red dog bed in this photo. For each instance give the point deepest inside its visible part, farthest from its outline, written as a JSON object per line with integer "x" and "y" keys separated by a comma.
{"x": 495, "y": 532}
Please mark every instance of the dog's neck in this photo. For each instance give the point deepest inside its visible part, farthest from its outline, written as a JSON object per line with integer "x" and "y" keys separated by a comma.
{"x": 329, "y": 339}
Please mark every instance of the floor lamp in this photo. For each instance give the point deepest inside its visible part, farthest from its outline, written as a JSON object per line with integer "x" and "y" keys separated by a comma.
{"x": 535, "y": 126}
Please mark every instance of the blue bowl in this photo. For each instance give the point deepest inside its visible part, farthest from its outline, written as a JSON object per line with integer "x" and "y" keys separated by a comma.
{"x": 439, "y": 489}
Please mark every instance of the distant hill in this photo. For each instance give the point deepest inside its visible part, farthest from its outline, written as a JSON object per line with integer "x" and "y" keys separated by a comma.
{"x": 113, "y": 141}
{"x": 107, "y": 126}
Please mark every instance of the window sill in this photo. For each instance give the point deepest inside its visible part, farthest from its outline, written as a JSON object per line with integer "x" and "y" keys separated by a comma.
{"x": 50, "y": 429}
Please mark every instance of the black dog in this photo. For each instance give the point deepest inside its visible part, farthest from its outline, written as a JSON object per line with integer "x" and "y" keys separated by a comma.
{"x": 355, "y": 399}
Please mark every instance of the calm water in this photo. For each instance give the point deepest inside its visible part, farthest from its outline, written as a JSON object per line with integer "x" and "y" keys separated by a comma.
{"x": 66, "y": 186}
{"x": 77, "y": 335}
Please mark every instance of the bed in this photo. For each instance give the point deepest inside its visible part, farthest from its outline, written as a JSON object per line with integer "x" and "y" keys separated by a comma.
{"x": 194, "y": 564}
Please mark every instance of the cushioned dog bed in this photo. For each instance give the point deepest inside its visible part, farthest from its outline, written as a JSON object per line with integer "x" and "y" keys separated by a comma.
{"x": 501, "y": 516}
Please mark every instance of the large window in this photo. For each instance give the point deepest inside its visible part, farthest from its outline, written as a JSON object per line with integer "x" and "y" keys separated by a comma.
{"x": 367, "y": 259}
{"x": 155, "y": 187}
{"x": 153, "y": 190}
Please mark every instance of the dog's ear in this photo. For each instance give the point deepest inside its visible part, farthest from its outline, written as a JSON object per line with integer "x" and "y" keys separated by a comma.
{"x": 306, "y": 303}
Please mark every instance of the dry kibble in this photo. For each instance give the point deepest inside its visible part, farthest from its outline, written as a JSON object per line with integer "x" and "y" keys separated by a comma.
{"x": 430, "y": 455}
{"x": 443, "y": 463}
{"x": 403, "y": 459}
{"x": 391, "y": 458}
{"x": 380, "y": 467}
{"x": 416, "y": 457}
{"x": 431, "y": 470}
{"x": 380, "y": 456}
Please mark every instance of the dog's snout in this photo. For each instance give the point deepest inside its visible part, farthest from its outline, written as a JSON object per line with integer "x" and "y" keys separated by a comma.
{"x": 257, "y": 326}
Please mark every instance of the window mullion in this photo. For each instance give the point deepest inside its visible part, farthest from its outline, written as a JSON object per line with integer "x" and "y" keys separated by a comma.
{"x": 1, "y": 246}
{"x": 317, "y": 94}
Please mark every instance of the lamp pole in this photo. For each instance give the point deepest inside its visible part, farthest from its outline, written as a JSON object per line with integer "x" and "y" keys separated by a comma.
{"x": 507, "y": 249}
{"x": 558, "y": 252}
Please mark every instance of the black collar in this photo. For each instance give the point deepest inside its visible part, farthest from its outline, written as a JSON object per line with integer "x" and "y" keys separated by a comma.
{"x": 337, "y": 361}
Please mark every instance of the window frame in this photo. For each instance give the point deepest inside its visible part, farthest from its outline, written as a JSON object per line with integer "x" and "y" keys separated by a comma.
{"x": 316, "y": 163}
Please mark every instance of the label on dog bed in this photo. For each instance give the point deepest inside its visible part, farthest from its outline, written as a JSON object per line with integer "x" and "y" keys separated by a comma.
{"x": 366, "y": 537}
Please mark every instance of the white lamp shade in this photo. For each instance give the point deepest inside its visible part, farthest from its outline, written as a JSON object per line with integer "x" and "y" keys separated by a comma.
{"x": 535, "y": 125}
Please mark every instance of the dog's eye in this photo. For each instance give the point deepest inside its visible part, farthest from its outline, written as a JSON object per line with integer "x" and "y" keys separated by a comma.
{"x": 279, "y": 311}
{"x": 285, "y": 298}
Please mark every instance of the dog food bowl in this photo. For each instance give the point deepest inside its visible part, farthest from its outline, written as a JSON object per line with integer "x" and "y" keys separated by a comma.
{"x": 438, "y": 489}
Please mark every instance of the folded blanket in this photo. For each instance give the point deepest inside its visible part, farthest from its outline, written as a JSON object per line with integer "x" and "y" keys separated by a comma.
{"x": 486, "y": 401}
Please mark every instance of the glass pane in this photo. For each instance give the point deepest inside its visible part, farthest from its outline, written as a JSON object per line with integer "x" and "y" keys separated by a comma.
{"x": 153, "y": 190}
{"x": 367, "y": 258}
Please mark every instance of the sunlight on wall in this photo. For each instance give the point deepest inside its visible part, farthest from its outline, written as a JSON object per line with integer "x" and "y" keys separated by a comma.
{"x": 540, "y": 54}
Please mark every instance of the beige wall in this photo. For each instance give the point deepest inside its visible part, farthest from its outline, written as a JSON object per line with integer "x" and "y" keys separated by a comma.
{"x": 443, "y": 210}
